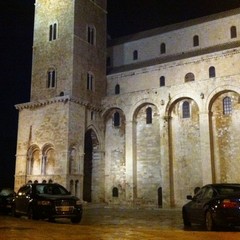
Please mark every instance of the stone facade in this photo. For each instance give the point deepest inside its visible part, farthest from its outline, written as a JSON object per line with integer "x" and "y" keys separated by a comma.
{"x": 162, "y": 121}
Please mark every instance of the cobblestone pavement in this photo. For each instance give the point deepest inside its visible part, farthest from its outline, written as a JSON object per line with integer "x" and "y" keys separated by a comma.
{"x": 105, "y": 223}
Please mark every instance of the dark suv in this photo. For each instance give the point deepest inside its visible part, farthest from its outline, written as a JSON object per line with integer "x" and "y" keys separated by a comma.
{"x": 43, "y": 200}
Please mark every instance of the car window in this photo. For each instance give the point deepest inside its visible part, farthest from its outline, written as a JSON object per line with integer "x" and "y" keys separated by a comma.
{"x": 228, "y": 190}
{"x": 6, "y": 192}
{"x": 208, "y": 194}
{"x": 51, "y": 189}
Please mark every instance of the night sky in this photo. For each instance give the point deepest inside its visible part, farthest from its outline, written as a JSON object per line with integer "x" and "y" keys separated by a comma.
{"x": 16, "y": 34}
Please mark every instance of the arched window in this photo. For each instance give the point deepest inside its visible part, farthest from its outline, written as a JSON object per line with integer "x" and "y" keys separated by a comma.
{"x": 162, "y": 81}
{"x": 115, "y": 192}
{"x": 149, "y": 115}
{"x": 116, "y": 119}
{"x": 233, "y": 32}
{"x": 53, "y": 32}
{"x": 163, "y": 48}
{"x": 196, "y": 41}
{"x": 189, "y": 77}
{"x": 91, "y": 35}
{"x": 227, "y": 106}
{"x": 51, "y": 78}
{"x": 135, "y": 55}
{"x": 186, "y": 109}
{"x": 117, "y": 89}
{"x": 90, "y": 81}
{"x": 212, "y": 72}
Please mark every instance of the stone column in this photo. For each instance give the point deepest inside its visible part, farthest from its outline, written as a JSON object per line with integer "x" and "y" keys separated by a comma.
{"x": 130, "y": 161}
{"x": 205, "y": 140}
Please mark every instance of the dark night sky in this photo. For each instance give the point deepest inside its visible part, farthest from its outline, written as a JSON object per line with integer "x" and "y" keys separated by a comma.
{"x": 16, "y": 25}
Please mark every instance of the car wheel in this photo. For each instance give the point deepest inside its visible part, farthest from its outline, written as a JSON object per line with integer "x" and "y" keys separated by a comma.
{"x": 210, "y": 226}
{"x": 76, "y": 219}
{"x": 186, "y": 221}
{"x": 32, "y": 214}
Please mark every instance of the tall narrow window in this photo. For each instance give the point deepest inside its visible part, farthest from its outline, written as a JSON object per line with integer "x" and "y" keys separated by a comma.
{"x": 53, "y": 32}
{"x": 196, "y": 41}
{"x": 233, "y": 32}
{"x": 189, "y": 77}
{"x": 135, "y": 55}
{"x": 91, "y": 35}
{"x": 117, "y": 89}
{"x": 90, "y": 81}
{"x": 149, "y": 115}
{"x": 116, "y": 119}
{"x": 162, "y": 81}
{"x": 227, "y": 106}
{"x": 51, "y": 78}
{"x": 186, "y": 109}
{"x": 212, "y": 72}
{"x": 163, "y": 48}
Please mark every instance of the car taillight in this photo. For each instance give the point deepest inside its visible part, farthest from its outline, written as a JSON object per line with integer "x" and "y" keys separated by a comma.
{"x": 228, "y": 203}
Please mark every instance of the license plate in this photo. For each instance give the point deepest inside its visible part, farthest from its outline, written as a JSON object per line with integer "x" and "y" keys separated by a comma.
{"x": 64, "y": 208}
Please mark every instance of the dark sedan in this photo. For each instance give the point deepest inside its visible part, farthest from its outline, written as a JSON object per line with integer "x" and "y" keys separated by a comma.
{"x": 213, "y": 205}
{"x": 6, "y": 198}
{"x": 41, "y": 201}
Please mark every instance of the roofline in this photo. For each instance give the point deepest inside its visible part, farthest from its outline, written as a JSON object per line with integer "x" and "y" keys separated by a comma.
{"x": 172, "y": 27}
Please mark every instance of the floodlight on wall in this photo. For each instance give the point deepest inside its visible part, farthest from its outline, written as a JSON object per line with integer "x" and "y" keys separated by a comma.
{"x": 162, "y": 102}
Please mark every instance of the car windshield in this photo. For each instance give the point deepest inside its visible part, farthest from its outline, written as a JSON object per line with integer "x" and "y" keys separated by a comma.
{"x": 6, "y": 192}
{"x": 228, "y": 190}
{"x": 51, "y": 189}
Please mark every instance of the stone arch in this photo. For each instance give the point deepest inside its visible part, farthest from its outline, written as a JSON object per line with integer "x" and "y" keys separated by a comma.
{"x": 115, "y": 162}
{"x": 93, "y": 168}
{"x": 184, "y": 160}
{"x": 147, "y": 162}
{"x": 48, "y": 159}
{"x": 33, "y": 160}
{"x": 224, "y": 135}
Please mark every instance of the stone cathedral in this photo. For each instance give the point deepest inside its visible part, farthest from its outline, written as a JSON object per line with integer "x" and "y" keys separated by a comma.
{"x": 141, "y": 120}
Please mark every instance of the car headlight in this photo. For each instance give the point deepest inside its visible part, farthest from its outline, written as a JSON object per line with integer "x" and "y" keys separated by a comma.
{"x": 44, "y": 202}
{"x": 78, "y": 202}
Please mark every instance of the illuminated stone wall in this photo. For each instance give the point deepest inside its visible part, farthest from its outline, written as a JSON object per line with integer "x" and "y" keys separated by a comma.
{"x": 134, "y": 159}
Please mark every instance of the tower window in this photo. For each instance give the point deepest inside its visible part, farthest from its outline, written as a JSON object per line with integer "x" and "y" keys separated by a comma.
{"x": 116, "y": 119}
{"x": 212, "y": 72}
{"x": 135, "y": 55}
{"x": 149, "y": 115}
{"x": 233, "y": 32}
{"x": 227, "y": 106}
{"x": 90, "y": 81}
{"x": 189, "y": 77}
{"x": 163, "y": 48}
{"x": 53, "y": 32}
{"x": 196, "y": 41}
{"x": 162, "y": 81}
{"x": 51, "y": 78}
{"x": 91, "y": 35}
{"x": 117, "y": 89}
{"x": 186, "y": 109}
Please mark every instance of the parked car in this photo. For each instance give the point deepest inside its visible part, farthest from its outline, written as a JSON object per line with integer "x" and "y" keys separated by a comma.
{"x": 6, "y": 198}
{"x": 213, "y": 205}
{"x": 47, "y": 201}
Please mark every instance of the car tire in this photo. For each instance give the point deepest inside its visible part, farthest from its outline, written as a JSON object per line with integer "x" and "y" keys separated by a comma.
{"x": 76, "y": 219}
{"x": 209, "y": 222}
{"x": 32, "y": 214}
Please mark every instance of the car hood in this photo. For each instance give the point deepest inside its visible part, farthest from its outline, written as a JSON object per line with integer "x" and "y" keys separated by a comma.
{"x": 57, "y": 197}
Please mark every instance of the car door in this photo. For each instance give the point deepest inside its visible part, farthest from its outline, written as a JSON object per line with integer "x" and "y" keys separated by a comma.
{"x": 200, "y": 203}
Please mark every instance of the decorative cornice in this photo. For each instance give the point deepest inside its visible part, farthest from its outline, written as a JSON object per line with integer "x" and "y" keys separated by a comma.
{"x": 59, "y": 99}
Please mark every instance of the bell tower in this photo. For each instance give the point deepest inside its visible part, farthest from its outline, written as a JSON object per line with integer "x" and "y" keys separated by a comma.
{"x": 68, "y": 83}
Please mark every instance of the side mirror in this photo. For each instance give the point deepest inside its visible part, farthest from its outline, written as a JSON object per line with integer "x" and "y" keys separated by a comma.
{"x": 189, "y": 197}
